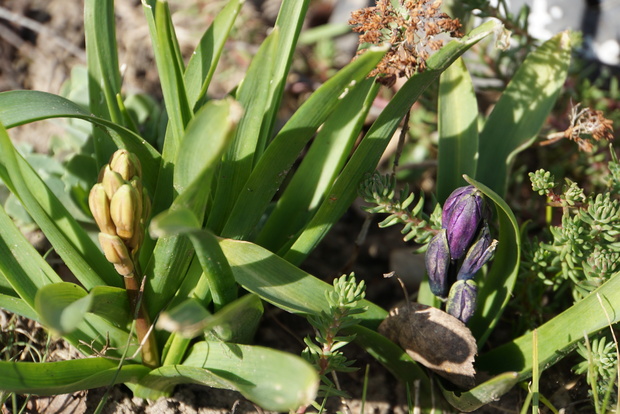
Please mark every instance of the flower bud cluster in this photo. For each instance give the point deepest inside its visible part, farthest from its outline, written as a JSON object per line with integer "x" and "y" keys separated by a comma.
{"x": 120, "y": 207}
{"x": 459, "y": 250}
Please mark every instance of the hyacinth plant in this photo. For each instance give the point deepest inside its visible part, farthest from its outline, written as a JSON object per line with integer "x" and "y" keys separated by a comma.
{"x": 179, "y": 303}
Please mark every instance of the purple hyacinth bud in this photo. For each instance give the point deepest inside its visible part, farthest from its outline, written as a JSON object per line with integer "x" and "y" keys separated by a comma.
{"x": 461, "y": 217}
{"x": 462, "y": 300}
{"x": 437, "y": 264}
{"x": 477, "y": 255}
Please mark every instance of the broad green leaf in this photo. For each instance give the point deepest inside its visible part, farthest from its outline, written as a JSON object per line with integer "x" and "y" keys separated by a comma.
{"x": 22, "y": 107}
{"x": 495, "y": 290}
{"x": 458, "y": 129}
{"x": 320, "y": 166}
{"x": 558, "y": 336}
{"x": 288, "y": 287}
{"x": 53, "y": 378}
{"x": 204, "y": 60}
{"x": 71, "y": 242}
{"x": 104, "y": 79}
{"x": 206, "y": 138}
{"x": 368, "y": 153}
{"x": 272, "y": 379}
{"x": 280, "y": 155}
{"x": 62, "y": 306}
{"x": 522, "y": 110}
{"x": 236, "y": 166}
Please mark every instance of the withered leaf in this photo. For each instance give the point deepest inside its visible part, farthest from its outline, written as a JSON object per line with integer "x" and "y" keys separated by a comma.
{"x": 435, "y": 339}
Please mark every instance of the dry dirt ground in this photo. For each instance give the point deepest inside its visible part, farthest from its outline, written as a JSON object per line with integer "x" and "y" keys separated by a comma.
{"x": 41, "y": 41}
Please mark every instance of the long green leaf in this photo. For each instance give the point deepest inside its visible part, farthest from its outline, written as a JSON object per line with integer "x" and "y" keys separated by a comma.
{"x": 365, "y": 158}
{"x": 22, "y": 107}
{"x": 458, "y": 129}
{"x": 272, "y": 379}
{"x": 204, "y": 60}
{"x": 522, "y": 110}
{"x": 496, "y": 288}
{"x": 170, "y": 68}
{"x": 319, "y": 168}
{"x": 52, "y": 378}
{"x": 277, "y": 281}
{"x": 277, "y": 160}
{"x": 104, "y": 79}
{"x": 254, "y": 96}
{"x": 557, "y": 337}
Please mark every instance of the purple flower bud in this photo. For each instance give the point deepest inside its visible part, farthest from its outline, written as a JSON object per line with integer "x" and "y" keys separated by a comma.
{"x": 462, "y": 300}
{"x": 461, "y": 217}
{"x": 477, "y": 255}
{"x": 437, "y": 264}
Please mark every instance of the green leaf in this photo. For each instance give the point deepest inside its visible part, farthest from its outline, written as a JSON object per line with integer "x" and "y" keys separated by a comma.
{"x": 278, "y": 282}
{"x": 62, "y": 306}
{"x": 522, "y": 110}
{"x": 280, "y": 155}
{"x": 204, "y": 60}
{"x": 235, "y": 322}
{"x": 458, "y": 129}
{"x": 22, "y": 107}
{"x": 495, "y": 290}
{"x": 483, "y": 394}
{"x": 206, "y": 138}
{"x": 53, "y": 378}
{"x": 254, "y": 95}
{"x": 104, "y": 78}
{"x": 368, "y": 153}
{"x": 319, "y": 168}
{"x": 558, "y": 336}
{"x": 272, "y": 379}
{"x": 170, "y": 68}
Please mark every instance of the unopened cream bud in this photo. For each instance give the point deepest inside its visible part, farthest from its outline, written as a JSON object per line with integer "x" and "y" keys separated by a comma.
{"x": 125, "y": 211}
{"x": 100, "y": 208}
{"x": 111, "y": 181}
{"x": 116, "y": 253}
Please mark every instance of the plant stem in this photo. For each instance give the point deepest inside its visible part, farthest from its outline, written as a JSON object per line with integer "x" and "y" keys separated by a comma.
{"x": 150, "y": 355}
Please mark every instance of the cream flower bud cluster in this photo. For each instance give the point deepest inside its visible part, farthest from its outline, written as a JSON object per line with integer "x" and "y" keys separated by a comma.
{"x": 120, "y": 207}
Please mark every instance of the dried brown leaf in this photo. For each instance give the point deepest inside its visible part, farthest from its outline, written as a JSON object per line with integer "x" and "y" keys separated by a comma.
{"x": 435, "y": 339}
